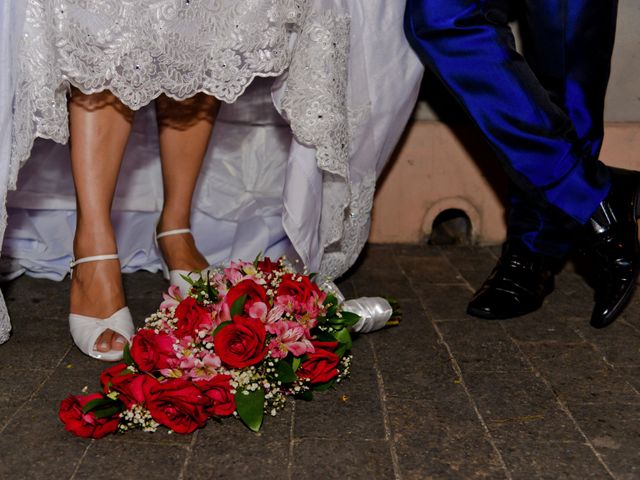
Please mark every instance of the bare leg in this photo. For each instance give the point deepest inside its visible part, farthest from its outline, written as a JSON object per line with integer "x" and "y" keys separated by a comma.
{"x": 185, "y": 128}
{"x": 99, "y": 127}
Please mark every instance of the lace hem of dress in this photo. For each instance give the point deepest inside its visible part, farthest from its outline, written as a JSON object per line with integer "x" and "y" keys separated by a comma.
{"x": 322, "y": 115}
{"x": 315, "y": 102}
{"x": 140, "y": 49}
{"x": 5, "y": 323}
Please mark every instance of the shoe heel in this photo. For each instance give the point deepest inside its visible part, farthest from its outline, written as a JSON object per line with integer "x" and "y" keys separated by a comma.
{"x": 163, "y": 264}
{"x": 630, "y": 181}
{"x": 165, "y": 270}
{"x": 175, "y": 276}
{"x": 636, "y": 202}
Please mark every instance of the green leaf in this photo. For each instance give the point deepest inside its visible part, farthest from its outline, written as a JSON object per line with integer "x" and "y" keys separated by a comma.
{"x": 296, "y": 363}
{"x": 333, "y": 302}
{"x": 189, "y": 280}
{"x": 211, "y": 290}
{"x": 113, "y": 395}
{"x": 345, "y": 320}
{"x": 126, "y": 356}
{"x": 330, "y": 299}
{"x": 108, "y": 411}
{"x": 220, "y": 327}
{"x": 286, "y": 373}
{"x": 324, "y": 337}
{"x": 344, "y": 337}
{"x": 341, "y": 350}
{"x": 238, "y": 306}
{"x": 307, "y": 395}
{"x": 349, "y": 318}
{"x": 323, "y": 387}
{"x": 250, "y": 407}
{"x": 97, "y": 404}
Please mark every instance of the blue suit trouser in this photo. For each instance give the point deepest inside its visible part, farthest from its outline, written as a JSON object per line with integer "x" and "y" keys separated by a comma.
{"x": 542, "y": 113}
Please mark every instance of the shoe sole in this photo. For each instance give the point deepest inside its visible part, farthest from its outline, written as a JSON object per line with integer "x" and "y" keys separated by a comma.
{"x": 484, "y": 315}
{"x": 490, "y": 316}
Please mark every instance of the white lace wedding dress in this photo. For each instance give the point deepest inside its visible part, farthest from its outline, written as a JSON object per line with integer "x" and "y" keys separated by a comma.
{"x": 294, "y": 156}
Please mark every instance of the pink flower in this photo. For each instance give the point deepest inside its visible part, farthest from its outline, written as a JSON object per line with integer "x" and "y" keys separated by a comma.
{"x": 290, "y": 337}
{"x": 236, "y": 272}
{"x": 314, "y": 305}
{"x": 233, "y": 274}
{"x": 187, "y": 363}
{"x": 259, "y": 311}
{"x": 205, "y": 367}
{"x": 184, "y": 350}
{"x": 218, "y": 280}
{"x": 247, "y": 268}
{"x": 172, "y": 373}
{"x": 307, "y": 322}
{"x": 287, "y": 302}
{"x": 223, "y": 312}
{"x": 275, "y": 314}
{"x": 171, "y": 298}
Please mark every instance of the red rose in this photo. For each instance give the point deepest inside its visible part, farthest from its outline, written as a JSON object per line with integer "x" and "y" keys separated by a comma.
{"x": 218, "y": 390}
{"x": 253, "y": 291}
{"x": 298, "y": 286}
{"x": 330, "y": 346}
{"x": 241, "y": 343}
{"x": 191, "y": 318}
{"x": 266, "y": 265}
{"x": 129, "y": 385}
{"x": 85, "y": 425}
{"x": 153, "y": 351}
{"x": 176, "y": 404}
{"x": 320, "y": 367}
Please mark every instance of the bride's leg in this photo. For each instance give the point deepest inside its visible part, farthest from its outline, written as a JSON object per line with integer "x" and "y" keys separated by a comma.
{"x": 99, "y": 128}
{"x": 185, "y": 128}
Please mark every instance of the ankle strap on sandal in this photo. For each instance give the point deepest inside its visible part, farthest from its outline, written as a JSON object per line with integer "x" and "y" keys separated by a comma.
{"x": 95, "y": 258}
{"x": 173, "y": 232}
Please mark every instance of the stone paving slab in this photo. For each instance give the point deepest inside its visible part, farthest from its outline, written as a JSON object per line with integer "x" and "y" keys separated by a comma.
{"x": 444, "y": 396}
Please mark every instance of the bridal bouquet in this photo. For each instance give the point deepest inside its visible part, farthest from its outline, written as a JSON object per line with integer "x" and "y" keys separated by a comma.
{"x": 244, "y": 339}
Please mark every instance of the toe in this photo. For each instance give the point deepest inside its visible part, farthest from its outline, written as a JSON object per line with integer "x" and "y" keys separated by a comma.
{"x": 103, "y": 344}
{"x": 118, "y": 342}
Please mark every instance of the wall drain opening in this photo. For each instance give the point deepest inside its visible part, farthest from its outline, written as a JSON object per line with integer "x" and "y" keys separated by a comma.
{"x": 451, "y": 227}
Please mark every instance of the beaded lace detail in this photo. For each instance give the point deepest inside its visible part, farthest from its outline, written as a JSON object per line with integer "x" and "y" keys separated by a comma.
{"x": 139, "y": 49}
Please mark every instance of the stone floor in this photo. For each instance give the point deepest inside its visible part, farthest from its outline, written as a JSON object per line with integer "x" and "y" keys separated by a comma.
{"x": 443, "y": 396}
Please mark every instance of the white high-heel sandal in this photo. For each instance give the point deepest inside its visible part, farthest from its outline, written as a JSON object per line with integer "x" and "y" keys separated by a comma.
{"x": 86, "y": 330}
{"x": 176, "y": 277}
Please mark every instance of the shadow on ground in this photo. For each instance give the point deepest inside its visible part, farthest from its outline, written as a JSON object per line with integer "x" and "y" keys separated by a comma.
{"x": 443, "y": 396}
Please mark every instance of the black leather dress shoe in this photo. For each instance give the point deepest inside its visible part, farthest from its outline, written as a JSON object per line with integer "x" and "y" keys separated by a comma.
{"x": 613, "y": 245}
{"x": 517, "y": 285}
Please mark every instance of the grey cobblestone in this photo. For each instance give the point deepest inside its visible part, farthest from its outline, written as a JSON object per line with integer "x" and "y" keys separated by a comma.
{"x": 443, "y": 396}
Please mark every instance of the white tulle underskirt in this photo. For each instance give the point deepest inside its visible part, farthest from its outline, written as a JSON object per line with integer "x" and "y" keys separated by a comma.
{"x": 292, "y": 164}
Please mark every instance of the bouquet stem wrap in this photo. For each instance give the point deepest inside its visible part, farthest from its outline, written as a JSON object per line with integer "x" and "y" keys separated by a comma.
{"x": 374, "y": 312}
